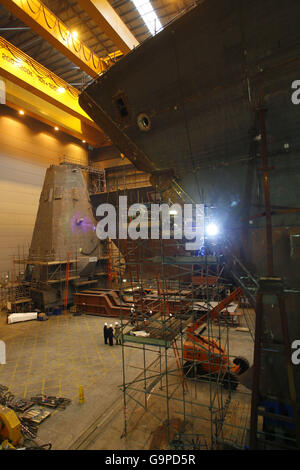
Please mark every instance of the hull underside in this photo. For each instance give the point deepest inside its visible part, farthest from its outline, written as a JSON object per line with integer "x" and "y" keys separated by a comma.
{"x": 187, "y": 101}
{"x": 187, "y": 105}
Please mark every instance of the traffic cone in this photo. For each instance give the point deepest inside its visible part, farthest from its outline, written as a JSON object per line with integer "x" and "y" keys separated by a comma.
{"x": 81, "y": 395}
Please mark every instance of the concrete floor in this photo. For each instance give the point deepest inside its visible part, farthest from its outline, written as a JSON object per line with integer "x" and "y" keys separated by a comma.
{"x": 144, "y": 427}
{"x": 57, "y": 356}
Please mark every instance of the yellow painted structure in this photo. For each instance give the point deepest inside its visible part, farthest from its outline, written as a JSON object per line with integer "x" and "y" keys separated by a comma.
{"x": 43, "y": 95}
{"x": 81, "y": 395}
{"x": 111, "y": 24}
{"x": 10, "y": 426}
{"x": 45, "y": 23}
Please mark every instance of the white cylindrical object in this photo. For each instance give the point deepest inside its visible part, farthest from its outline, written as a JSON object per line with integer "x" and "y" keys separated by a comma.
{"x": 19, "y": 317}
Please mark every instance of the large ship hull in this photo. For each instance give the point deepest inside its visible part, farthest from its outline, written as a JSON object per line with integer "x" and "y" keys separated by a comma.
{"x": 187, "y": 102}
{"x": 206, "y": 106}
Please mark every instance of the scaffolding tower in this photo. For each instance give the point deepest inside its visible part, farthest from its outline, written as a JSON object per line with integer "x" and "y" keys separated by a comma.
{"x": 176, "y": 403}
{"x": 96, "y": 174}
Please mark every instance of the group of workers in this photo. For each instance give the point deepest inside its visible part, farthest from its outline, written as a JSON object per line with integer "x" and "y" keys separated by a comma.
{"x": 110, "y": 334}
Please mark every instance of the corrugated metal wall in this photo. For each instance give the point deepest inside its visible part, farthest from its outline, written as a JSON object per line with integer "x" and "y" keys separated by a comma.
{"x": 27, "y": 148}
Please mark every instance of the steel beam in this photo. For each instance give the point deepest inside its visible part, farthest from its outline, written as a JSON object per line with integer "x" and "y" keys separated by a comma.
{"x": 44, "y": 95}
{"x": 45, "y": 23}
{"x": 111, "y": 24}
{"x": 266, "y": 169}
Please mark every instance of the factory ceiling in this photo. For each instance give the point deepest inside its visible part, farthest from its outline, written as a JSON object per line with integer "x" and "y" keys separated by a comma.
{"x": 90, "y": 32}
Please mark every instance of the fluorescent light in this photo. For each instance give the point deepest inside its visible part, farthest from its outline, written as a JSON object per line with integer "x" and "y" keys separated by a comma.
{"x": 149, "y": 16}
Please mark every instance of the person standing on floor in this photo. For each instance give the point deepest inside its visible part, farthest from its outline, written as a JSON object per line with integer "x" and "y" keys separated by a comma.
{"x": 110, "y": 333}
{"x": 105, "y": 330}
{"x": 132, "y": 315}
{"x": 118, "y": 333}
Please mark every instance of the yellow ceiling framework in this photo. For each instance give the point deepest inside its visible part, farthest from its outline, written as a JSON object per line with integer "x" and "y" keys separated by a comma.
{"x": 32, "y": 87}
{"x": 44, "y": 95}
{"x": 45, "y": 23}
{"x": 111, "y": 24}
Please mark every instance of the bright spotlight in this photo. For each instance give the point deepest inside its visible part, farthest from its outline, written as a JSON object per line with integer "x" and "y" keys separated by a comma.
{"x": 212, "y": 230}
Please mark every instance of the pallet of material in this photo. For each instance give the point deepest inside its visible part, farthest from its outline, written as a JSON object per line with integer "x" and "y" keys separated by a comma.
{"x": 161, "y": 330}
{"x": 20, "y": 317}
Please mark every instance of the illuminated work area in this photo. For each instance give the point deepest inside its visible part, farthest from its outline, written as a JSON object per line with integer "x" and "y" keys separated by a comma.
{"x": 149, "y": 256}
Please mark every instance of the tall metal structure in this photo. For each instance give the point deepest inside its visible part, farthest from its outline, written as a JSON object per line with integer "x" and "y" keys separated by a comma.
{"x": 173, "y": 402}
{"x": 201, "y": 119}
{"x": 65, "y": 254}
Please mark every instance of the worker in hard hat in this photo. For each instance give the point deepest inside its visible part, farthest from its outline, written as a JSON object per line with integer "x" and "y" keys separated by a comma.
{"x": 117, "y": 333}
{"x": 132, "y": 315}
{"x": 110, "y": 334}
{"x": 105, "y": 334}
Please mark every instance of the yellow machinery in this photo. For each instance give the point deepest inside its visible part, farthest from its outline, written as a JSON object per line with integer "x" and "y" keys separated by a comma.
{"x": 10, "y": 426}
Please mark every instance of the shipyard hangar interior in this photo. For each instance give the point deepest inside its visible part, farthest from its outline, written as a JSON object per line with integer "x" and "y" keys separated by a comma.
{"x": 149, "y": 255}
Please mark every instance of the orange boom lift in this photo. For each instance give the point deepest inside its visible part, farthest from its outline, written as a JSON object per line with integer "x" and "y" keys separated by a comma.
{"x": 205, "y": 356}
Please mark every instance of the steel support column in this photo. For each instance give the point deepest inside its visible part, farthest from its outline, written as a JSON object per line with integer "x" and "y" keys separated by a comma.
{"x": 266, "y": 169}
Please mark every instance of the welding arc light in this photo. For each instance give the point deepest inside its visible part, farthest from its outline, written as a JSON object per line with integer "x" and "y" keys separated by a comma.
{"x": 212, "y": 230}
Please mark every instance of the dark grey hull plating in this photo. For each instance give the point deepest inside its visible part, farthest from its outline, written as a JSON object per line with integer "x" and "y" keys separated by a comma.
{"x": 194, "y": 89}
{"x": 187, "y": 100}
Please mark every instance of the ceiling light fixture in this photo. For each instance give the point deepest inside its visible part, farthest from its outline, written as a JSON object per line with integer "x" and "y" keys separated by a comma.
{"x": 21, "y": 112}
